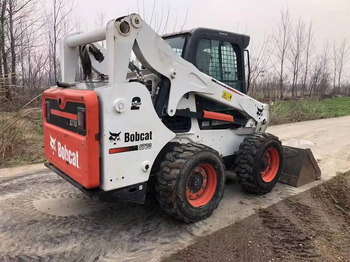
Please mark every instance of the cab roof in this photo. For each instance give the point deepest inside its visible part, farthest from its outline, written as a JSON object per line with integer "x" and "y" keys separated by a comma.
{"x": 244, "y": 39}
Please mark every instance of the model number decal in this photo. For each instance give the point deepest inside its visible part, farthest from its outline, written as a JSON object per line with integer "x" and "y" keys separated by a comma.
{"x": 73, "y": 123}
{"x": 226, "y": 95}
{"x": 145, "y": 146}
{"x": 124, "y": 149}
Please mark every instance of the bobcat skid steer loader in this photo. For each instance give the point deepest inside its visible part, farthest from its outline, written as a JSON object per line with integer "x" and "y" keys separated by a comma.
{"x": 180, "y": 118}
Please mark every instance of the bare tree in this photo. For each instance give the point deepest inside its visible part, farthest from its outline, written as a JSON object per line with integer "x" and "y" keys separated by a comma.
{"x": 324, "y": 84}
{"x": 335, "y": 65}
{"x": 320, "y": 76}
{"x": 100, "y": 19}
{"x": 100, "y": 22}
{"x": 343, "y": 53}
{"x": 296, "y": 49}
{"x": 20, "y": 19}
{"x": 282, "y": 37}
{"x": 259, "y": 66}
{"x": 308, "y": 50}
{"x": 58, "y": 23}
{"x": 16, "y": 18}
{"x": 4, "y": 64}
{"x": 159, "y": 21}
{"x": 340, "y": 57}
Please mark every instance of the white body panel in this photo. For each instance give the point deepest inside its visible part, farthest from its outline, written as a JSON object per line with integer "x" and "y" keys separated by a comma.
{"x": 128, "y": 168}
{"x": 123, "y": 168}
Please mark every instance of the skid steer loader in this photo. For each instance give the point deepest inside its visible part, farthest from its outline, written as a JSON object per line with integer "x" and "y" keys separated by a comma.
{"x": 181, "y": 116}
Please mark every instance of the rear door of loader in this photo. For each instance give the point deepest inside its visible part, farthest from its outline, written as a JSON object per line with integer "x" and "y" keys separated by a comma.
{"x": 71, "y": 133}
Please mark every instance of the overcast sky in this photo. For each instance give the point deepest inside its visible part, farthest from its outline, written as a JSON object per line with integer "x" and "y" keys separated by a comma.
{"x": 331, "y": 18}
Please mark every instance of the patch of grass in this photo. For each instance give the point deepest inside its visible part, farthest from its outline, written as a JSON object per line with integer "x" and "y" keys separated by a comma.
{"x": 21, "y": 138}
{"x": 296, "y": 111}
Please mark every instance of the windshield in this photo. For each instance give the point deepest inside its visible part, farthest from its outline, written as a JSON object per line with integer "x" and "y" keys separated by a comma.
{"x": 177, "y": 43}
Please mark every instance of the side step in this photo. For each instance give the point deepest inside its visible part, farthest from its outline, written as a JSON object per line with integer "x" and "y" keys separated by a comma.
{"x": 300, "y": 167}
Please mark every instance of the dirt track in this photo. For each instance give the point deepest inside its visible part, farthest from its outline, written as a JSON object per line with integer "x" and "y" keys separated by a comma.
{"x": 312, "y": 226}
{"x": 84, "y": 230}
{"x": 44, "y": 217}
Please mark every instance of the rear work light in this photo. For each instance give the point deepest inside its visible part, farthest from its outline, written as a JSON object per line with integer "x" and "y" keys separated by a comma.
{"x": 81, "y": 118}
{"x": 47, "y": 110}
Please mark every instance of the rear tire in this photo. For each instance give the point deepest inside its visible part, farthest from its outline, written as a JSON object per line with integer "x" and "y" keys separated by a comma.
{"x": 190, "y": 182}
{"x": 259, "y": 163}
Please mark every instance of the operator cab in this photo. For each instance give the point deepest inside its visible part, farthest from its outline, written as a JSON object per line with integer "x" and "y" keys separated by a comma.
{"x": 219, "y": 54}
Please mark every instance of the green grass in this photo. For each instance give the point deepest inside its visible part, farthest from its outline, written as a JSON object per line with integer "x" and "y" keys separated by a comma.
{"x": 296, "y": 111}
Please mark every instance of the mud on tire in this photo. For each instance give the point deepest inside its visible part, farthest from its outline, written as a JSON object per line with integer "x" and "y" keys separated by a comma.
{"x": 259, "y": 163}
{"x": 185, "y": 167}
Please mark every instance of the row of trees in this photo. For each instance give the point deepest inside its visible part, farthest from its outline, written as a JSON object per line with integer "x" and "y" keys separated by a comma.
{"x": 29, "y": 35}
{"x": 290, "y": 64}
{"x": 287, "y": 64}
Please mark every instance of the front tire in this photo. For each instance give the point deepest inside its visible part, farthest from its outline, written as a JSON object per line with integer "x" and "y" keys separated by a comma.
{"x": 259, "y": 163}
{"x": 190, "y": 182}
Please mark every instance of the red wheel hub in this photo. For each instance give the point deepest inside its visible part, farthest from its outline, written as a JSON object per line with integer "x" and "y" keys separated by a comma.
{"x": 201, "y": 185}
{"x": 270, "y": 165}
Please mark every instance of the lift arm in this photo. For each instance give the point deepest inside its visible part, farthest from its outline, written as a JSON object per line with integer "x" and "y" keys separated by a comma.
{"x": 131, "y": 33}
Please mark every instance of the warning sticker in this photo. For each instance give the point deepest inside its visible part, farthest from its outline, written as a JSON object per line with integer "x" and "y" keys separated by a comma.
{"x": 226, "y": 95}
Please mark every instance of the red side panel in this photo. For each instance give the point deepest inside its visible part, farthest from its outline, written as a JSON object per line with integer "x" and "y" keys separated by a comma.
{"x": 72, "y": 148}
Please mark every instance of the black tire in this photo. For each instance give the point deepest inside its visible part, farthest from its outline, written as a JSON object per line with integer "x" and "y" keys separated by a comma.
{"x": 251, "y": 161}
{"x": 175, "y": 177}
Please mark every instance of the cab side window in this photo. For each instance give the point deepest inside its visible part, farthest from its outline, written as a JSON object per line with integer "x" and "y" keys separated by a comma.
{"x": 218, "y": 59}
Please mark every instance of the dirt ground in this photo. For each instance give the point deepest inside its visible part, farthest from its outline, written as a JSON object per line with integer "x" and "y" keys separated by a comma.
{"x": 44, "y": 218}
{"x": 311, "y": 226}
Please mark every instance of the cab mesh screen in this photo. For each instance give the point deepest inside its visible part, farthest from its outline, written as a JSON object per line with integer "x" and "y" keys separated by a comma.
{"x": 219, "y": 60}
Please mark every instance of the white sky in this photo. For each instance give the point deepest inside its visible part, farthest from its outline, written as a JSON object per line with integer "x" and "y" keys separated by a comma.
{"x": 331, "y": 18}
{"x": 257, "y": 18}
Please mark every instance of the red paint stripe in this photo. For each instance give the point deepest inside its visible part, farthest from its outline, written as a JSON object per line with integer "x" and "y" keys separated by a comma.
{"x": 64, "y": 114}
{"x": 233, "y": 90}
{"x": 218, "y": 116}
{"x": 227, "y": 87}
{"x": 122, "y": 149}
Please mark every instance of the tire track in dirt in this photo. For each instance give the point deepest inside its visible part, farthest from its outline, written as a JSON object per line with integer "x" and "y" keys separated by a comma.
{"x": 290, "y": 240}
{"x": 30, "y": 231}
{"x": 311, "y": 226}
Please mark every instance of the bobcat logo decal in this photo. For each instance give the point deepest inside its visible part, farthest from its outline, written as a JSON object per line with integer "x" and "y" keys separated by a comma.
{"x": 53, "y": 144}
{"x": 114, "y": 136}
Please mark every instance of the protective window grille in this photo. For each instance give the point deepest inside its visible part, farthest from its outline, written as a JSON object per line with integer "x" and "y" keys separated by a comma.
{"x": 219, "y": 60}
{"x": 229, "y": 63}
{"x": 177, "y": 124}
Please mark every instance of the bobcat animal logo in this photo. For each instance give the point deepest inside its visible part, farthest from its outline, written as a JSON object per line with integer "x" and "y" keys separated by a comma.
{"x": 260, "y": 111}
{"x": 114, "y": 136}
{"x": 53, "y": 144}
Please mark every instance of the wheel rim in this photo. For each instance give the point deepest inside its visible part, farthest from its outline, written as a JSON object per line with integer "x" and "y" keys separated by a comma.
{"x": 270, "y": 165}
{"x": 201, "y": 185}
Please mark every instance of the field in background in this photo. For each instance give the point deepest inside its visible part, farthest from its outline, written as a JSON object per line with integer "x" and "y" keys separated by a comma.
{"x": 21, "y": 134}
{"x": 296, "y": 111}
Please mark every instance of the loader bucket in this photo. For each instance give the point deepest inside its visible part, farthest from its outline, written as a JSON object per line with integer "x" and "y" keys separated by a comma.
{"x": 300, "y": 167}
